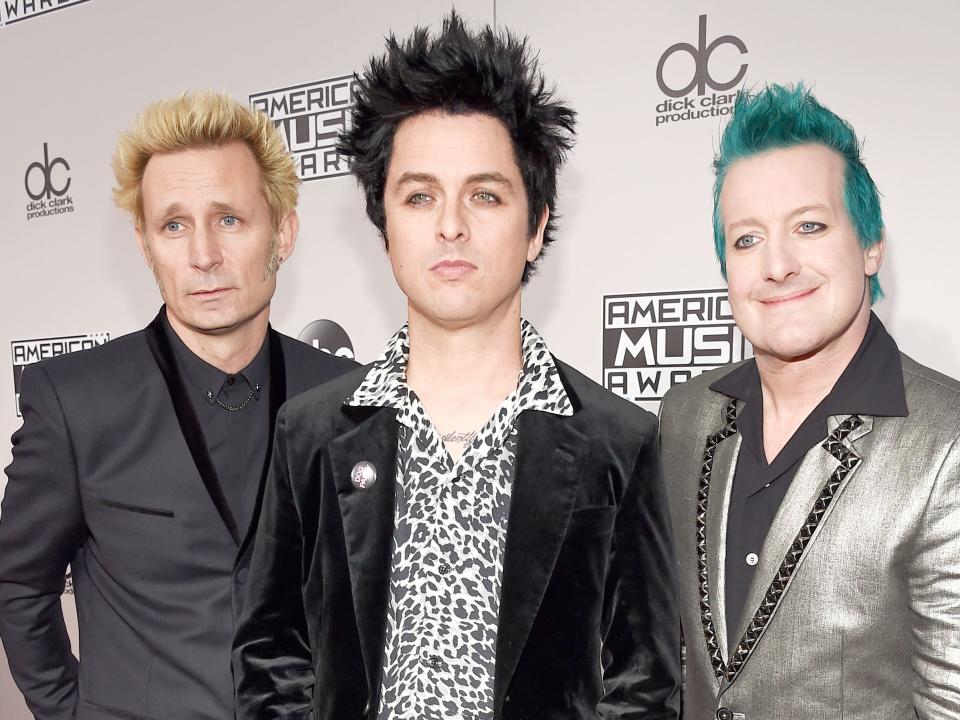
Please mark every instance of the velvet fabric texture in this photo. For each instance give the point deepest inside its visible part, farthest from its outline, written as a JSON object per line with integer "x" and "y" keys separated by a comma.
{"x": 588, "y": 623}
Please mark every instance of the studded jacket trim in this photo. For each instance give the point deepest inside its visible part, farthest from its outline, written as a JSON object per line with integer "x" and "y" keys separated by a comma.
{"x": 848, "y": 459}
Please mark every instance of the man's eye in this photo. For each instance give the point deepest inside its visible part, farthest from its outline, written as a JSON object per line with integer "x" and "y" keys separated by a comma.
{"x": 810, "y": 227}
{"x": 486, "y": 197}
{"x": 745, "y": 241}
{"x": 418, "y": 199}
{"x": 173, "y": 226}
{"x": 230, "y": 220}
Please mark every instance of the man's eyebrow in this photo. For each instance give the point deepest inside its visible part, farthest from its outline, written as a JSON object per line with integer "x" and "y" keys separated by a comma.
{"x": 744, "y": 223}
{"x": 747, "y": 221}
{"x": 807, "y": 208}
{"x": 475, "y": 179}
{"x": 223, "y": 207}
{"x": 490, "y": 177}
{"x": 415, "y": 177}
{"x": 174, "y": 209}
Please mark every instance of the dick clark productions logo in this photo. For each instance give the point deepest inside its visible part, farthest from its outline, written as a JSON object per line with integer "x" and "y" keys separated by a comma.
{"x": 677, "y": 86}
{"x": 47, "y": 183}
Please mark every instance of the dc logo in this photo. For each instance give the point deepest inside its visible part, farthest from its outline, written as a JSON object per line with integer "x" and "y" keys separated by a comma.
{"x": 701, "y": 58}
{"x": 46, "y": 177}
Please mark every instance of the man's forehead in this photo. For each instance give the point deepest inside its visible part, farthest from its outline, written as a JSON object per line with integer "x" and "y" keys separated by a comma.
{"x": 799, "y": 176}
{"x": 218, "y": 176}
{"x": 809, "y": 161}
{"x": 441, "y": 144}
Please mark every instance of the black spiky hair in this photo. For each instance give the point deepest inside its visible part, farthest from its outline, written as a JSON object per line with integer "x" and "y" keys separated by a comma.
{"x": 460, "y": 72}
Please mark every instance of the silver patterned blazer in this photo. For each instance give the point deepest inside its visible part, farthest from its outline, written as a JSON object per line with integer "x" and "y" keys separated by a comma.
{"x": 854, "y": 608}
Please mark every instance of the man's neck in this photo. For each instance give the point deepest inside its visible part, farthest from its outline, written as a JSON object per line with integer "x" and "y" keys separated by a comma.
{"x": 793, "y": 388}
{"x": 230, "y": 351}
{"x": 461, "y": 374}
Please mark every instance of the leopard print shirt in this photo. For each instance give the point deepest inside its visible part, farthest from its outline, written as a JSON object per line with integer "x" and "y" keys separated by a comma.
{"x": 450, "y": 528}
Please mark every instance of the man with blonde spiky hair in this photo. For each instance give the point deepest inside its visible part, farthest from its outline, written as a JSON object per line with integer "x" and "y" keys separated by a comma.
{"x": 141, "y": 463}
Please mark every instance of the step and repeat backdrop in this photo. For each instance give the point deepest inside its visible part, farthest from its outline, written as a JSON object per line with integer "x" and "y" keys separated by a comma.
{"x": 630, "y": 293}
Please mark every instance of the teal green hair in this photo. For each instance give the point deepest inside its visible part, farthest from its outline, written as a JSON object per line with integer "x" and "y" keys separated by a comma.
{"x": 782, "y": 117}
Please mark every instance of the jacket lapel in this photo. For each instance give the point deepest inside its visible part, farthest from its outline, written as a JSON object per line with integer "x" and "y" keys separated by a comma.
{"x": 278, "y": 395}
{"x": 368, "y": 525}
{"x": 551, "y": 456}
{"x": 823, "y": 475}
{"x": 724, "y": 467}
{"x": 166, "y": 360}
{"x": 713, "y": 498}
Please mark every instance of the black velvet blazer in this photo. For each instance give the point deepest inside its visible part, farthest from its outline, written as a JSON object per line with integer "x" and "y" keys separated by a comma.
{"x": 588, "y": 619}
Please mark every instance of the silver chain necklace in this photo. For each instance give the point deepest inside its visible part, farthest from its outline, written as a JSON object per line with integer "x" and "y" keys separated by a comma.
{"x": 240, "y": 406}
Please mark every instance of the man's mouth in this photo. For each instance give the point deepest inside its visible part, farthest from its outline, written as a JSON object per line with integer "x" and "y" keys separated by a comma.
{"x": 209, "y": 293}
{"x": 780, "y": 300}
{"x": 453, "y": 269}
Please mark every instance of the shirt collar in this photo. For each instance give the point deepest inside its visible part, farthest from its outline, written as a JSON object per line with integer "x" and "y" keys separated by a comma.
{"x": 209, "y": 381}
{"x": 538, "y": 388}
{"x": 871, "y": 384}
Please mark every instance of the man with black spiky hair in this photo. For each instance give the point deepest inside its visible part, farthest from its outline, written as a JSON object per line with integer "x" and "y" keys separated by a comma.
{"x": 467, "y": 527}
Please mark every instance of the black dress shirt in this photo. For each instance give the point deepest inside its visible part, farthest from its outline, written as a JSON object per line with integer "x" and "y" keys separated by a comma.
{"x": 872, "y": 384}
{"x": 234, "y": 412}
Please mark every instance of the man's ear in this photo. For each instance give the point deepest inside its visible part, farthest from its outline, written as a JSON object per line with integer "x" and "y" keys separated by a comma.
{"x": 535, "y": 243}
{"x": 873, "y": 256}
{"x": 288, "y": 231}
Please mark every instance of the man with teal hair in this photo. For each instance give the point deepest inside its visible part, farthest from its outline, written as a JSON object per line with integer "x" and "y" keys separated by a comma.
{"x": 815, "y": 488}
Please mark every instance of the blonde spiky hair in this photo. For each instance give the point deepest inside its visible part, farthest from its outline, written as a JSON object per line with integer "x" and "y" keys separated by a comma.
{"x": 203, "y": 120}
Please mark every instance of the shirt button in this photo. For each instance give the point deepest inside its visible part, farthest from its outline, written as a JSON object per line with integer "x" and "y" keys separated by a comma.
{"x": 231, "y": 380}
{"x": 435, "y": 662}
{"x": 752, "y": 559}
{"x": 724, "y": 714}
{"x": 444, "y": 568}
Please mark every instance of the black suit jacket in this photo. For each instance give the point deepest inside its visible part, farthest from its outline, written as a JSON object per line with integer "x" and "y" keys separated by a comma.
{"x": 588, "y": 618}
{"x": 111, "y": 475}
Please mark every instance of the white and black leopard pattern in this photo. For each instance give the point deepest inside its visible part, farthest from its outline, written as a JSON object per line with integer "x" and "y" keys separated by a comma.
{"x": 449, "y": 536}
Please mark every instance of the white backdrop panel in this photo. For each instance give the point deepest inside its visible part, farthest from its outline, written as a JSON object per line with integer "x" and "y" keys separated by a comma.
{"x": 635, "y": 197}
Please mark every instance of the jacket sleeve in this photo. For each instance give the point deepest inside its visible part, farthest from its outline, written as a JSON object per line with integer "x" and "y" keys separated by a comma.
{"x": 641, "y": 646}
{"x": 272, "y": 664}
{"x": 41, "y": 527}
{"x": 934, "y": 585}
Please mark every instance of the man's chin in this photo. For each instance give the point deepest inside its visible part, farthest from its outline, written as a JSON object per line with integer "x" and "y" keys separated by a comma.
{"x": 793, "y": 348}
{"x": 210, "y": 323}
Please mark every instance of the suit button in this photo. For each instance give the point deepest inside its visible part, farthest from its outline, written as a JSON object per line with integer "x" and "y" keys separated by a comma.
{"x": 724, "y": 714}
{"x": 242, "y": 576}
{"x": 444, "y": 568}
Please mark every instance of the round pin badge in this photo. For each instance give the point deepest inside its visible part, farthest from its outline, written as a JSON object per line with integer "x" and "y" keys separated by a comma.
{"x": 364, "y": 475}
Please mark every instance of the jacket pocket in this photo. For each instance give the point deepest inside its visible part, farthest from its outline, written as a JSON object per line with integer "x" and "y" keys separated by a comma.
{"x": 93, "y": 711}
{"x": 136, "y": 508}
